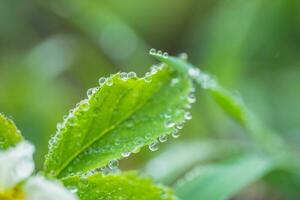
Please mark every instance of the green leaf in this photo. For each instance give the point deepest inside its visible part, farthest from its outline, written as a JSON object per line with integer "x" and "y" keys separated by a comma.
{"x": 222, "y": 181}
{"x": 117, "y": 186}
{"x": 233, "y": 105}
{"x": 9, "y": 134}
{"x": 229, "y": 103}
{"x": 120, "y": 116}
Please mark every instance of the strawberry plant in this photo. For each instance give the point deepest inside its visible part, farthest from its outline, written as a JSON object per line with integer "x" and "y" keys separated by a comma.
{"x": 123, "y": 114}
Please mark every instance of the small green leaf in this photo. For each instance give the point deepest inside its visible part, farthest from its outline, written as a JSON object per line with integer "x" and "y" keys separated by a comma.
{"x": 120, "y": 116}
{"x": 222, "y": 181}
{"x": 9, "y": 134}
{"x": 117, "y": 186}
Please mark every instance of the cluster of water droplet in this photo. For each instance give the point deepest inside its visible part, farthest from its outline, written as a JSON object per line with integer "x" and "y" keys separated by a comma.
{"x": 153, "y": 70}
{"x": 172, "y": 125}
{"x": 158, "y": 53}
{"x": 68, "y": 121}
{"x": 206, "y": 81}
{"x": 183, "y": 56}
{"x": 84, "y": 105}
{"x": 111, "y": 167}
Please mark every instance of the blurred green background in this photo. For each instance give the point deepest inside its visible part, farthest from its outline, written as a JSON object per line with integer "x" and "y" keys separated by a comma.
{"x": 51, "y": 52}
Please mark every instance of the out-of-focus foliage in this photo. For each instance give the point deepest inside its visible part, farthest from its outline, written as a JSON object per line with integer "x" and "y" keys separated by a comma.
{"x": 224, "y": 179}
{"x": 51, "y": 52}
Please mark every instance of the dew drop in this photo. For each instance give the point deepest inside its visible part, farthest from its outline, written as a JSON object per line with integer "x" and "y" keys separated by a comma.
{"x": 109, "y": 82}
{"x": 194, "y": 72}
{"x": 147, "y": 77}
{"x": 187, "y": 116}
{"x": 101, "y": 81}
{"x": 165, "y": 55}
{"x": 154, "y": 146}
{"x": 169, "y": 124}
{"x": 65, "y": 117}
{"x": 131, "y": 75}
{"x": 175, "y": 133}
{"x": 159, "y": 52}
{"x": 163, "y": 138}
{"x": 153, "y": 70}
{"x": 179, "y": 125}
{"x": 123, "y": 76}
{"x": 126, "y": 154}
{"x": 191, "y": 98}
{"x": 113, "y": 164}
{"x": 207, "y": 81}
{"x": 84, "y": 104}
{"x": 59, "y": 126}
{"x": 90, "y": 92}
{"x": 52, "y": 141}
{"x": 136, "y": 149}
{"x": 104, "y": 170}
{"x": 152, "y": 51}
{"x": 148, "y": 74}
{"x": 183, "y": 56}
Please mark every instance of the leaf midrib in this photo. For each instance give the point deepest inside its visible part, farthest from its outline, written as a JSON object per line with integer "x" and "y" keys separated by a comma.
{"x": 108, "y": 130}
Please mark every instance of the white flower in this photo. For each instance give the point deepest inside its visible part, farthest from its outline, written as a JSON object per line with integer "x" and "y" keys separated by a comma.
{"x": 16, "y": 164}
{"x": 38, "y": 188}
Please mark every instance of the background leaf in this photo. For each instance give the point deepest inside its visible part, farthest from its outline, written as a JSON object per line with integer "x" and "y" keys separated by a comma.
{"x": 9, "y": 134}
{"x": 117, "y": 186}
{"x": 173, "y": 162}
{"x": 222, "y": 181}
{"x": 120, "y": 116}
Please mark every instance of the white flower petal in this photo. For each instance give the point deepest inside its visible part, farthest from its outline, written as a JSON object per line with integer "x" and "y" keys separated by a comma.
{"x": 38, "y": 188}
{"x": 16, "y": 164}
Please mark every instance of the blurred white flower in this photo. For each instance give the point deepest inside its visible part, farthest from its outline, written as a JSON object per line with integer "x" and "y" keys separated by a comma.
{"x": 38, "y": 188}
{"x": 16, "y": 164}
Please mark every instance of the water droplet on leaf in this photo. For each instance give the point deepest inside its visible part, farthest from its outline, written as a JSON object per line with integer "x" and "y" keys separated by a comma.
{"x": 175, "y": 133}
{"x": 123, "y": 76}
{"x": 163, "y": 138}
{"x": 101, "y": 81}
{"x": 169, "y": 124}
{"x": 113, "y": 164}
{"x": 152, "y": 51}
{"x": 194, "y": 72}
{"x": 165, "y": 55}
{"x": 183, "y": 56}
{"x": 131, "y": 75}
{"x": 126, "y": 154}
{"x": 187, "y": 116}
{"x": 191, "y": 98}
{"x": 109, "y": 82}
{"x": 154, "y": 146}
